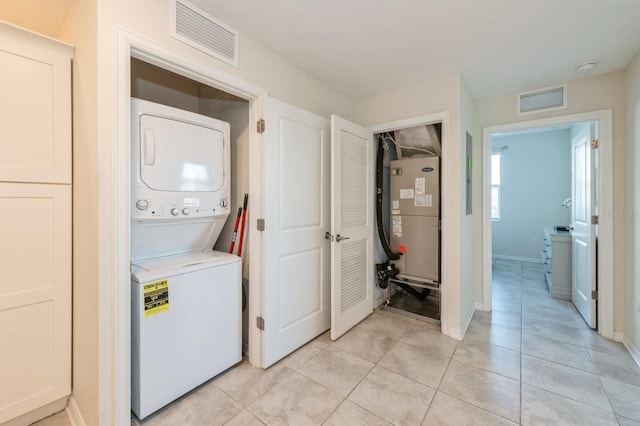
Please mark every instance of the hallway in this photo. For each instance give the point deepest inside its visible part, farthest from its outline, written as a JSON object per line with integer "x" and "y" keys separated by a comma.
{"x": 532, "y": 361}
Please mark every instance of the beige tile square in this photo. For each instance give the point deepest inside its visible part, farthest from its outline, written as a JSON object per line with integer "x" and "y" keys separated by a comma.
{"x": 498, "y": 336}
{"x": 506, "y": 296}
{"x": 393, "y": 397}
{"x": 504, "y": 362}
{"x": 501, "y": 306}
{"x": 206, "y": 405}
{"x": 301, "y": 355}
{"x": 245, "y": 418}
{"x": 490, "y": 391}
{"x": 433, "y": 342}
{"x": 446, "y": 410}
{"x": 336, "y": 370}
{"x": 415, "y": 363}
{"x": 543, "y": 408}
{"x": 350, "y": 414}
{"x": 594, "y": 341}
{"x": 552, "y": 330}
{"x": 296, "y": 400}
{"x": 549, "y": 314}
{"x": 366, "y": 344}
{"x": 556, "y": 351}
{"x": 245, "y": 383}
{"x": 569, "y": 382}
{"x": 624, "y": 398}
{"x": 389, "y": 326}
{"x": 499, "y": 319}
{"x": 617, "y": 366}
{"x": 623, "y": 421}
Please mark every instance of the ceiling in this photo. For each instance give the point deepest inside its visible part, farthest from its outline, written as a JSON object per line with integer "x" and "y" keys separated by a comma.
{"x": 42, "y": 16}
{"x": 364, "y": 47}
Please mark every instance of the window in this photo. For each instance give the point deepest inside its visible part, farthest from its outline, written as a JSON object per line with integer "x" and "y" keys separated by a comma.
{"x": 495, "y": 186}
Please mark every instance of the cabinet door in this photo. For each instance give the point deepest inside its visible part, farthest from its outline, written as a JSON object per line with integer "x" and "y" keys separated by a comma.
{"x": 35, "y": 107}
{"x": 35, "y": 296}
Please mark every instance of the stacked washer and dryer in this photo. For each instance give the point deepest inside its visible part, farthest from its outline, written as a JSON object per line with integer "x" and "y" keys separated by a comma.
{"x": 186, "y": 322}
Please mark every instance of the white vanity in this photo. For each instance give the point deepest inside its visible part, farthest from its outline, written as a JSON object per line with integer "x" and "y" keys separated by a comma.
{"x": 556, "y": 257}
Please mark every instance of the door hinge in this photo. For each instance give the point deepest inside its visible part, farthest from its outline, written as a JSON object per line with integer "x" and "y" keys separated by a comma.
{"x": 595, "y": 144}
{"x": 260, "y": 224}
{"x": 594, "y": 295}
{"x": 594, "y": 220}
{"x": 260, "y": 126}
{"x": 260, "y": 323}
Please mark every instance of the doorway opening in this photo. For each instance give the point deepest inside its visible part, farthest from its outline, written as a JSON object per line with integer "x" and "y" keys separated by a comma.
{"x": 409, "y": 163}
{"x": 494, "y": 142}
{"x": 156, "y": 84}
{"x": 149, "y": 70}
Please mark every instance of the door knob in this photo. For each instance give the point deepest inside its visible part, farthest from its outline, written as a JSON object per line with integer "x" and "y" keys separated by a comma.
{"x": 340, "y": 238}
{"x": 328, "y": 236}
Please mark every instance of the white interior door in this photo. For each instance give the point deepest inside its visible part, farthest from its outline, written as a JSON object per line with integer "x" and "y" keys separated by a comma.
{"x": 296, "y": 275}
{"x": 352, "y": 192}
{"x": 583, "y": 236}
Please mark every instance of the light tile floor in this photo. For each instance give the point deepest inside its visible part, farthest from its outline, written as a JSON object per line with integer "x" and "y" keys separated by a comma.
{"x": 531, "y": 361}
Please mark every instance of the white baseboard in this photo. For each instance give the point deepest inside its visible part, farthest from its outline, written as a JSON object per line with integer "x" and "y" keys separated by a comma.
{"x": 75, "y": 417}
{"x": 467, "y": 320}
{"x": 517, "y": 258}
{"x": 479, "y": 306}
{"x": 618, "y": 337}
{"x": 38, "y": 414}
{"x": 633, "y": 350}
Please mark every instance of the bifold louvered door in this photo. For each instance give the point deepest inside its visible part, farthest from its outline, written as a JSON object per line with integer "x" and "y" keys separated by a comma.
{"x": 318, "y": 184}
{"x": 352, "y": 191}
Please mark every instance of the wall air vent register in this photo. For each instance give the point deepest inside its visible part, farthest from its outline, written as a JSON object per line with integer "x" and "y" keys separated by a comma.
{"x": 198, "y": 29}
{"x": 540, "y": 100}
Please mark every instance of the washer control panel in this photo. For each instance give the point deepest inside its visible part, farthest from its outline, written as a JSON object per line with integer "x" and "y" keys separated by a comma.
{"x": 174, "y": 207}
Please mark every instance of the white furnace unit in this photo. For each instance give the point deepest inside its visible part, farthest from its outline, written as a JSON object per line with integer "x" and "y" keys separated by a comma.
{"x": 415, "y": 219}
{"x": 415, "y": 232}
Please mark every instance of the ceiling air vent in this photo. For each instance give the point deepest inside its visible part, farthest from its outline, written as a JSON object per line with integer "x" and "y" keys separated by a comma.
{"x": 202, "y": 31}
{"x": 542, "y": 100}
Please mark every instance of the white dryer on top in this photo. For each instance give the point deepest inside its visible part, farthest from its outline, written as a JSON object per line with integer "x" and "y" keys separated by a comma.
{"x": 180, "y": 180}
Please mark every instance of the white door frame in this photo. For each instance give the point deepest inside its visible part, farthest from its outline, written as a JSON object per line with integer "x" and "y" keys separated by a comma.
{"x": 114, "y": 344}
{"x": 447, "y": 303}
{"x": 605, "y": 192}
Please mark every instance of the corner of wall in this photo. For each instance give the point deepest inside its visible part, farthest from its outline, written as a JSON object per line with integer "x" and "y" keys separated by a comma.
{"x": 75, "y": 416}
{"x": 632, "y": 294}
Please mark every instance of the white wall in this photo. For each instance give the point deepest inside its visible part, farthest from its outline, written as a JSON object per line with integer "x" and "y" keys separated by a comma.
{"x": 88, "y": 330}
{"x": 467, "y": 255}
{"x": 589, "y": 94}
{"x": 632, "y": 210}
{"x": 92, "y": 25}
{"x": 535, "y": 179}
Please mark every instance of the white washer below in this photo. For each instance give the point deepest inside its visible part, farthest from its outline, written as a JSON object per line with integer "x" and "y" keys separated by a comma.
{"x": 186, "y": 325}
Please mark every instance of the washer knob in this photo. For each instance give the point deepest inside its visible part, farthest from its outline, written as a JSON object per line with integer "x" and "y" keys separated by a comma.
{"x": 185, "y": 211}
{"x": 142, "y": 204}
{"x": 223, "y": 202}
{"x": 174, "y": 211}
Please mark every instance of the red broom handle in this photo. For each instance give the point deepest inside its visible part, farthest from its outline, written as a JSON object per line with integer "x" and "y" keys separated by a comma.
{"x": 244, "y": 218}
{"x": 235, "y": 230}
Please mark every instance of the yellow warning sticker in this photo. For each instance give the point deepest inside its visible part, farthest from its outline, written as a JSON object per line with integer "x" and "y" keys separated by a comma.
{"x": 156, "y": 297}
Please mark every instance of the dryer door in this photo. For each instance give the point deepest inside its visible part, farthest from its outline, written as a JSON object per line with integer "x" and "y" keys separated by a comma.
{"x": 179, "y": 156}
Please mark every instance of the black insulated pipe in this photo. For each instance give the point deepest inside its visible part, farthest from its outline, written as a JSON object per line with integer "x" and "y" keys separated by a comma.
{"x": 379, "y": 198}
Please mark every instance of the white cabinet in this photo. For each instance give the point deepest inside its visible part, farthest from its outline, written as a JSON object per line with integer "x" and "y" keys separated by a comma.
{"x": 556, "y": 257}
{"x": 35, "y": 225}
